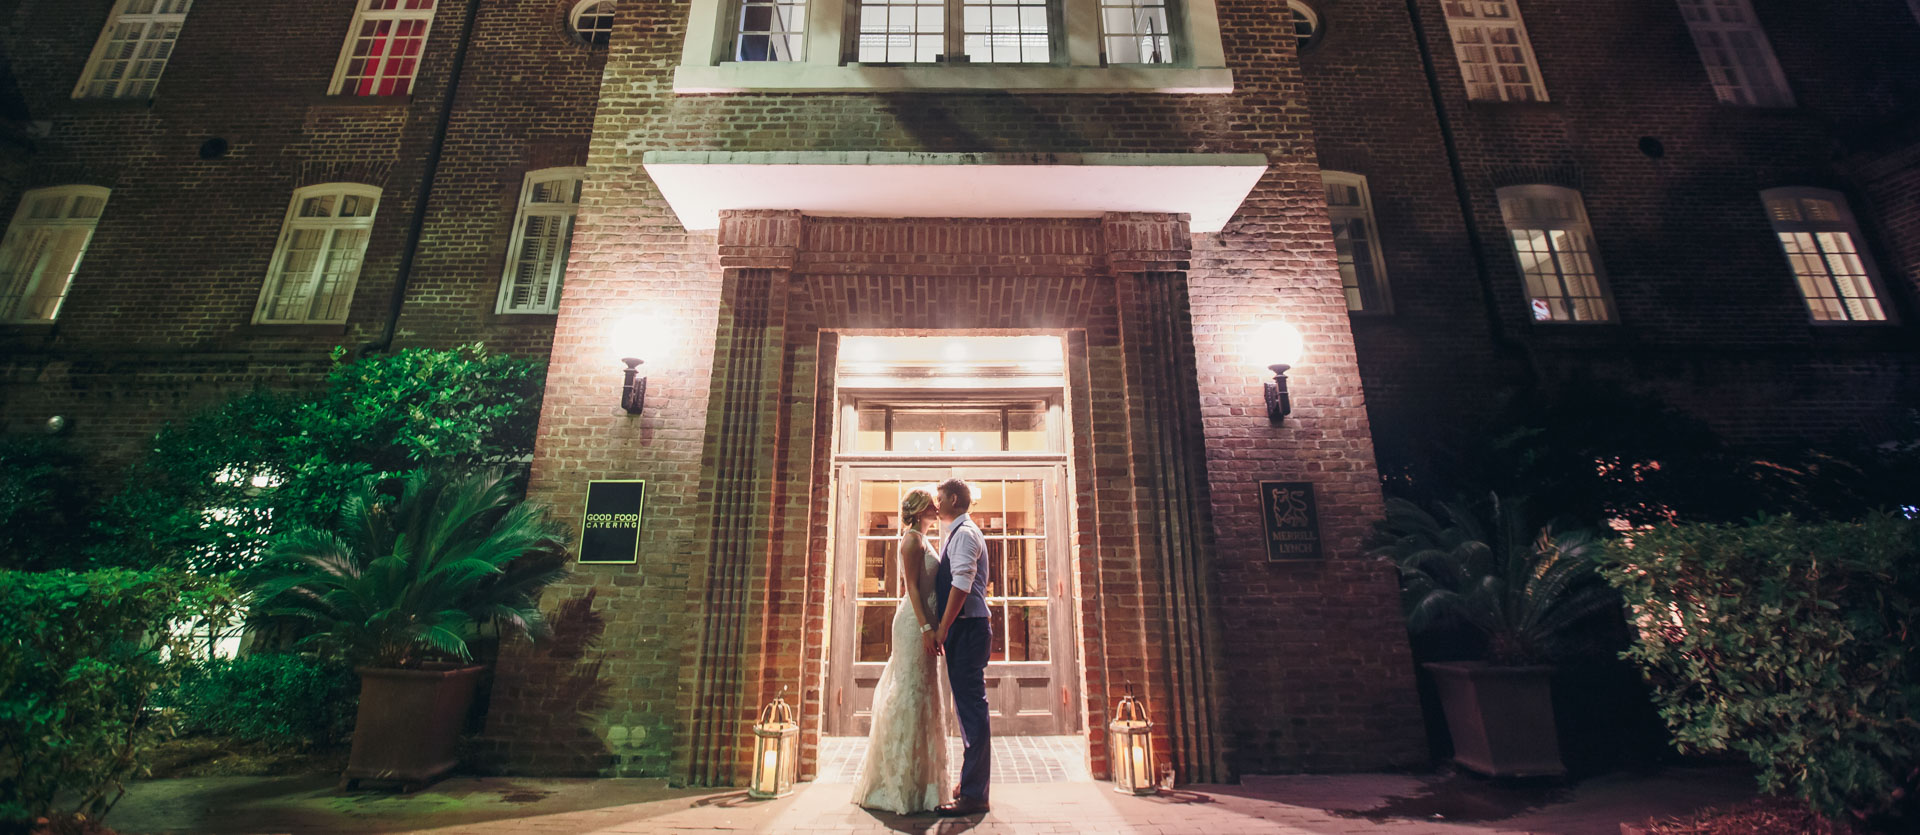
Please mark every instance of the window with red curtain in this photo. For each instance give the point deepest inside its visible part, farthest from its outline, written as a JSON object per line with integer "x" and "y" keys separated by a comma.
{"x": 383, "y": 48}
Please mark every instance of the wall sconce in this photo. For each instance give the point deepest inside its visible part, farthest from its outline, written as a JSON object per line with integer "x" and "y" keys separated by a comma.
{"x": 1281, "y": 342}
{"x": 776, "y": 754}
{"x": 1131, "y": 747}
{"x": 634, "y": 395}
{"x": 1279, "y": 404}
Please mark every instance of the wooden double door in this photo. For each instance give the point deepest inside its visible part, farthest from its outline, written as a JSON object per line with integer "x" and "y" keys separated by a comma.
{"x": 1032, "y": 680}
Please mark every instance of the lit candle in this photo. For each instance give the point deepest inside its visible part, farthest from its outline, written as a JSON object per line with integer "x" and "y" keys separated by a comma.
{"x": 1139, "y": 763}
{"x": 768, "y": 762}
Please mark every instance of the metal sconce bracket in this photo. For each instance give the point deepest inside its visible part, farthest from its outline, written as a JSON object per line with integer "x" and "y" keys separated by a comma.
{"x": 633, "y": 396}
{"x": 1279, "y": 403}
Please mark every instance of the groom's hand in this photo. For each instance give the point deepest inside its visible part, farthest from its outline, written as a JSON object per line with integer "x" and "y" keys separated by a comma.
{"x": 931, "y": 642}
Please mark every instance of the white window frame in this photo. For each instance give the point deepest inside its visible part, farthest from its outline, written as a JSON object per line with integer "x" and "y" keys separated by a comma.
{"x": 1357, "y": 290}
{"x": 33, "y": 276}
{"x": 1748, "y": 76}
{"x": 1298, "y": 12}
{"x": 556, "y": 273}
{"x": 1577, "y": 226}
{"x": 159, "y": 30}
{"x": 828, "y": 36}
{"x": 1460, "y": 25}
{"x": 332, "y": 225}
{"x": 1860, "y": 308}
{"x": 361, "y": 14}
{"x": 579, "y": 10}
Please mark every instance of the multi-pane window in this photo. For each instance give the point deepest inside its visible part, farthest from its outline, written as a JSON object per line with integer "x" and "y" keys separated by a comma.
{"x": 542, "y": 235}
{"x": 1823, "y": 247}
{"x": 383, "y": 48}
{"x": 955, "y": 31}
{"x": 1554, "y": 245}
{"x": 133, "y": 49}
{"x": 592, "y": 22}
{"x": 1136, "y": 31}
{"x": 1735, "y": 51}
{"x": 771, "y": 30}
{"x": 1356, "y": 241}
{"x": 1496, "y": 59}
{"x": 43, "y": 247}
{"x": 317, "y": 261}
{"x": 1306, "y": 23}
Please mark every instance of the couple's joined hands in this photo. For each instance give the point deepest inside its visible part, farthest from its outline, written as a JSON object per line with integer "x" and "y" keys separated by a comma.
{"x": 930, "y": 641}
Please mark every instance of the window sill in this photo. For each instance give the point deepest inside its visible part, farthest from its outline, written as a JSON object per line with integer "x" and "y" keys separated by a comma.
{"x": 812, "y": 78}
{"x": 545, "y": 320}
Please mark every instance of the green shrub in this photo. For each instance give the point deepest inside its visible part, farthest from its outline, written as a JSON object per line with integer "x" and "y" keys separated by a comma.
{"x": 1791, "y": 643}
{"x": 43, "y": 503}
{"x": 281, "y": 700}
{"x": 77, "y": 672}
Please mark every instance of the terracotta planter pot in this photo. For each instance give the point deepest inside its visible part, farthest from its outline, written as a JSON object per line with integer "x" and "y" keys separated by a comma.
{"x": 1501, "y": 718}
{"x": 408, "y": 724}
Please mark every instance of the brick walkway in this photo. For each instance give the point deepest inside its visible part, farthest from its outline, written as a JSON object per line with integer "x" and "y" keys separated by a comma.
{"x": 1292, "y": 805}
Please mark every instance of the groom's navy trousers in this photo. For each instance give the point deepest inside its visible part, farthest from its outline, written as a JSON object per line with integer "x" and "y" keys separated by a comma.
{"x": 969, "y": 642}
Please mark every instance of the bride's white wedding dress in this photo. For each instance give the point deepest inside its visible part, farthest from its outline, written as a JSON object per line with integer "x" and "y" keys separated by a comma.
{"x": 905, "y": 770}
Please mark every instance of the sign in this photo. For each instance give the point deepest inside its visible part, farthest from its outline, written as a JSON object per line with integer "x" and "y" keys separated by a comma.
{"x": 1290, "y": 520}
{"x": 610, "y": 527}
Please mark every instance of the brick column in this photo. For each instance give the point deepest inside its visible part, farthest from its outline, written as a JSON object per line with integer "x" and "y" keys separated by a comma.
{"x": 738, "y": 464}
{"x": 1147, "y": 255}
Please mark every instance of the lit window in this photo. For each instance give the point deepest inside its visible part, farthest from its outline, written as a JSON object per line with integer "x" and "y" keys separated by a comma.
{"x": 771, "y": 30}
{"x": 955, "y": 31}
{"x": 1306, "y": 24}
{"x": 1554, "y": 246}
{"x": 317, "y": 261}
{"x": 1738, "y": 58}
{"x": 383, "y": 48}
{"x": 1496, "y": 59}
{"x": 1136, "y": 31}
{"x": 1823, "y": 247}
{"x": 43, "y": 248}
{"x": 542, "y": 235}
{"x": 132, "y": 50}
{"x": 1356, "y": 241}
{"x": 592, "y": 22}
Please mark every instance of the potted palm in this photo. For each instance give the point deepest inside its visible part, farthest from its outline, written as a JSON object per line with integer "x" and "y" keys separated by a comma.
{"x": 1525, "y": 592}
{"x": 399, "y": 592}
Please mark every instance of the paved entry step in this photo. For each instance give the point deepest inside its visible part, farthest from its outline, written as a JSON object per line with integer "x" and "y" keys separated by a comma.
{"x": 1016, "y": 759}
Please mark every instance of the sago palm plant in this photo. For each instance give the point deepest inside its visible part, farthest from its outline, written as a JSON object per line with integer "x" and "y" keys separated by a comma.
{"x": 1526, "y": 590}
{"x": 414, "y": 577}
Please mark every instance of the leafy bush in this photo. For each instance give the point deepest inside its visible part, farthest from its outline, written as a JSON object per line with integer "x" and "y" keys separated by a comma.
{"x": 43, "y": 500}
{"x": 217, "y": 486}
{"x": 414, "y": 577}
{"x": 281, "y": 700}
{"x": 1791, "y": 643}
{"x": 77, "y": 672}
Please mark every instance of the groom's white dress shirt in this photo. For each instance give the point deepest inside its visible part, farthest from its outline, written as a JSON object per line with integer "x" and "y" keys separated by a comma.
{"x": 964, "y": 547}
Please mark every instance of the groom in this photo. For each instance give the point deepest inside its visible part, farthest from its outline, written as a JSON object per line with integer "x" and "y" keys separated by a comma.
{"x": 965, "y": 635}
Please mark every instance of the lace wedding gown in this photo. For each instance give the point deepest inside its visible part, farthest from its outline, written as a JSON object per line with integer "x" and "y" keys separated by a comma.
{"x": 905, "y": 770}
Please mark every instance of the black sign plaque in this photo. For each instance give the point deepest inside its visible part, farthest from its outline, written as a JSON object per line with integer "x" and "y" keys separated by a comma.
{"x": 1291, "y": 521}
{"x": 610, "y": 527}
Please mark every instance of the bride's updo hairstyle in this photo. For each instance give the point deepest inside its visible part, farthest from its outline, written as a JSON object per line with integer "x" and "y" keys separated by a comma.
{"x": 916, "y": 502}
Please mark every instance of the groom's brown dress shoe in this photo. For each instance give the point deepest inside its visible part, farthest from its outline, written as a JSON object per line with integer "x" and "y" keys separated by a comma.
{"x": 960, "y": 807}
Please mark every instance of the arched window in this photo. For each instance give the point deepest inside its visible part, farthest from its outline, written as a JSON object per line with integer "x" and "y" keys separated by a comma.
{"x": 1306, "y": 24}
{"x": 1822, "y": 243}
{"x": 1356, "y": 241}
{"x": 542, "y": 237}
{"x": 317, "y": 260}
{"x": 592, "y": 22}
{"x": 43, "y": 247}
{"x": 1554, "y": 246}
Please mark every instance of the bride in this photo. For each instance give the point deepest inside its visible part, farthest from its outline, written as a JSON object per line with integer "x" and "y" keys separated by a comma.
{"x": 905, "y": 770}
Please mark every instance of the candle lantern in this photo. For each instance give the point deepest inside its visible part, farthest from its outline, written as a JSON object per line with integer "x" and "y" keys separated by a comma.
{"x": 776, "y": 750}
{"x": 1130, "y": 748}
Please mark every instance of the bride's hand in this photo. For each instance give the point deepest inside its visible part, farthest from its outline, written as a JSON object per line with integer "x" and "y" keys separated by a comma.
{"x": 930, "y": 642}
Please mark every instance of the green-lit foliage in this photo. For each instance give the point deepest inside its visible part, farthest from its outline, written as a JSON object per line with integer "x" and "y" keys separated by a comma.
{"x": 281, "y": 700}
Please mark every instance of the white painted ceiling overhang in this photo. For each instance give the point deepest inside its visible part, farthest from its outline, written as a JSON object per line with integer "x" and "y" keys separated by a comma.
{"x": 699, "y": 185}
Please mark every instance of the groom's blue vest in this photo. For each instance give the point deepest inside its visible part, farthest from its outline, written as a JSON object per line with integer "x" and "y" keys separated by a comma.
{"x": 976, "y": 605}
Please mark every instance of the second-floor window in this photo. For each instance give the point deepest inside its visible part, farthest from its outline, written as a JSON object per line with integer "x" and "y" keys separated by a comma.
{"x": 1496, "y": 58}
{"x": 1822, "y": 244}
{"x": 317, "y": 261}
{"x": 1735, "y": 51}
{"x": 42, "y": 249}
{"x": 383, "y": 48}
{"x": 954, "y": 31}
{"x": 1136, "y": 31}
{"x": 1553, "y": 244}
{"x": 1356, "y": 241}
{"x": 542, "y": 236}
{"x": 132, "y": 51}
{"x": 771, "y": 30}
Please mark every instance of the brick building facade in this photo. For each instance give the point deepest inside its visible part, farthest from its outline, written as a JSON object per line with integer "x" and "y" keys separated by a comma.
{"x": 746, "y": 227}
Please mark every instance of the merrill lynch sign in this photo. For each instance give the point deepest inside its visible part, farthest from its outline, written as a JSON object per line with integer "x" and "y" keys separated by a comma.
{"x": 1291, "y": 522}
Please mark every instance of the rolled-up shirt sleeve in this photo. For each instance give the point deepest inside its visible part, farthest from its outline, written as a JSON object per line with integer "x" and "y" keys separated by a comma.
{"x": 964, "y": 556}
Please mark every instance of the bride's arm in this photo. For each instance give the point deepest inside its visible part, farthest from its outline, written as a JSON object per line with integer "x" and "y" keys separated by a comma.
{"x": 911, "y": 555}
